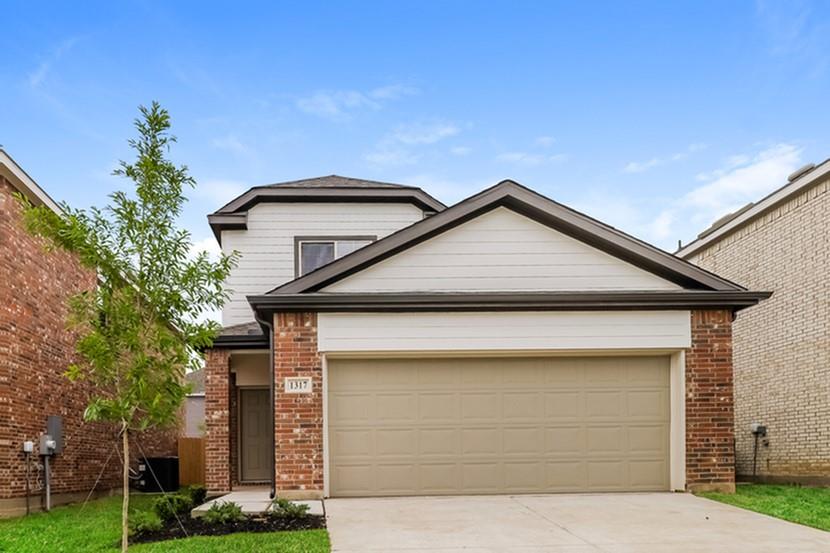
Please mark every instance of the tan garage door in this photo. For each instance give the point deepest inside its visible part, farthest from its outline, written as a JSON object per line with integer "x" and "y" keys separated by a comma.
{"x": 498, "y": 425}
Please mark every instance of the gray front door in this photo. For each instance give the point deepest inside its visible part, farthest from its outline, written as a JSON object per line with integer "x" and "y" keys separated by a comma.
{"x": 255, "y": 443}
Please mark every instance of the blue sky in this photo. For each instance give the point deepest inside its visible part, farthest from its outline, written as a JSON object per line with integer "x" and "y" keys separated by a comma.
{"x": 656, "y": 117}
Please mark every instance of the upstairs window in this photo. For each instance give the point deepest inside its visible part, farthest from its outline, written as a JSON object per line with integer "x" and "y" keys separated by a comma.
{"x": 313, "y": 252}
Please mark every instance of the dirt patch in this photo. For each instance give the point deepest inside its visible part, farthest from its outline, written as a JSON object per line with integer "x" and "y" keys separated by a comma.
{"x": 197, "y": 527}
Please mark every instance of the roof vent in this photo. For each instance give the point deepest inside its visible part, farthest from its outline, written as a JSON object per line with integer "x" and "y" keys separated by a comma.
{"x": 801, "y": 171}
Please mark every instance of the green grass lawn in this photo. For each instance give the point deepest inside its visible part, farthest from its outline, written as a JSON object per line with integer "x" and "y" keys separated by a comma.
{"x": 808, "y": 506}
{"x": 98, "y": 528}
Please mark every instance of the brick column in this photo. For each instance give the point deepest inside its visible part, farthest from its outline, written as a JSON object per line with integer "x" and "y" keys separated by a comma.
{"x": 298, "y": 417}
{"x": 710, "y": 439}
{"x": 217, "y": 420}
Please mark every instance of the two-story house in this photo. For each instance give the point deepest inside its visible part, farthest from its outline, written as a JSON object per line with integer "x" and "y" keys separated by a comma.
{"x": 380, "y": 343}
{"x": 782, "y": 347}
{"x": 35, "y": 350}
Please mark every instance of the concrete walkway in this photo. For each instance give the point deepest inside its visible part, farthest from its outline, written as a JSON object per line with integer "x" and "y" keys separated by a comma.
{"x": 586, "y": 523}
{"x": 253, "y": 501}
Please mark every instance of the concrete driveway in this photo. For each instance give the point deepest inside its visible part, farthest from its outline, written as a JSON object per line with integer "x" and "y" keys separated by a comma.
{"x": 611, "y": 523}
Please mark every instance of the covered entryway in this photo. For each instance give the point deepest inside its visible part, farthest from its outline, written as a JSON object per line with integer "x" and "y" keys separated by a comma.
{"x": 254, "y": 458}
{"x": 498, "y": 425}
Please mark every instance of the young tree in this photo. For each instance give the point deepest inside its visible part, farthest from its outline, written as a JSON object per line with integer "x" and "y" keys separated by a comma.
{"x": 141, "y": 327}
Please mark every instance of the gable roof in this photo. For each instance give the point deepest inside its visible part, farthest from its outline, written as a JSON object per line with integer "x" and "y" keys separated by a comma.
{"x": 25, "y": 184}
{"x": 801, "y": 180}
{"x": 531, "y": 204}
{"x": 331, "y": 188}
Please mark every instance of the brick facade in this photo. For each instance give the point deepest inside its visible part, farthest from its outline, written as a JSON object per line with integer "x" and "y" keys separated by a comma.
{"x": 710, "y": 455}
{"x": 299, "y": 426}
{"x": 782, "y": 346}
{"x": 298, "y": 417}
{"x": 217, "y": 421}
{"x": 35, "y": 350}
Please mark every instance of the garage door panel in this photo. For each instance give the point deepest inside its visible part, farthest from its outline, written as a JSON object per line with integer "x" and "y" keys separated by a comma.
{"x": 481, "y": 441}
{"x": 439, "y": 478}
{"x": 396, "y": 442}
{"x": 396, "y": 479}
{"x": 522, "y": 406}
{"x": 396, "y": 407}
{"x": 485, "y": 477}
{"x": 651, "y": 404}
{"x": 604, "y": 404}
{"x": 566, "y": 475}
{"x": 354, "y": 443}
{"x": 648, "y": 439}
{"x": 605, "y": 440}
{"x": 439, "y": 441}
{"x": 645, "y": 474}
{"x": 606, "y": 475}
{"x": 523, "y": 476}
{"x": 439, "y": 407}
{"x": 480, "y": 407}
{"x": 565, "y": 440}
{"x": 506, "y": 425}
{"x": 564, "y": 406}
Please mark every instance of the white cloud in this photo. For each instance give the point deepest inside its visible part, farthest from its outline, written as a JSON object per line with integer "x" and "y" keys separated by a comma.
{"x": 449, "y": 190}
{"x": 231, "y": 143}
{"x": 38, "y": 76}
{"x": 545, "y": 141}
{"x": 393, "y": 92}
{"x": 643, "y": 166}
{"x": 340, "y": 104}
{"x": 530, "y": 159}
{"x": 396, "y": 148}
{"x": 219, "y": 192}
{"x": 461, "y": 150}
{"x": 424, "y": 133}
{"x": 740, "y": 180}
{"x": 209, "y": 245}
{"x": 745, "y": 180}
{"x": 386, "y": 155}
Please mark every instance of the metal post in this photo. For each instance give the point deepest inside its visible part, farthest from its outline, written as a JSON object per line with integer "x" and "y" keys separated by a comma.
{"x": 48, "y": 483}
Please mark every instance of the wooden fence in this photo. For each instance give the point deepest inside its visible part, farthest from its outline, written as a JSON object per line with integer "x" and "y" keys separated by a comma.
{"x": 191, "y": 461}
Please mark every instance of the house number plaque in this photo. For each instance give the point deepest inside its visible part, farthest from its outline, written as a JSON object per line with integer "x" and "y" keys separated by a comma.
{"x": 298, "y": 385}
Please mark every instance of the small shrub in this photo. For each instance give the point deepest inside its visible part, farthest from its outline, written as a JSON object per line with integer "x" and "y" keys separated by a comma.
{"x": 144, "y": 521}
{"x": 223, "y": 512}
{"x": 284, "y": 508}
{"x": 167, "y": 507}
{"x": 196, "y": 493}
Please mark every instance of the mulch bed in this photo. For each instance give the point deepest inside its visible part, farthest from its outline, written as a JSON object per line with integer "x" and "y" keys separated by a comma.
{"x": 197, "y": 527}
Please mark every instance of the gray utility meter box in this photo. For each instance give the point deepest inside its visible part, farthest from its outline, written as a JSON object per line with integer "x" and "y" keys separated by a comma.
{"x": 54, "y": 427}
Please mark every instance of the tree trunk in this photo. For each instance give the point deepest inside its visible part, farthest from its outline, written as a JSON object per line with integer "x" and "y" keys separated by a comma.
{"x": 125, "y": 501}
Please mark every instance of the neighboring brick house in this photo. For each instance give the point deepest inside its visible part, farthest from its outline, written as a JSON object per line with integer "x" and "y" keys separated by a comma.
{"x": 379, "y": 343}
{"x": 193, "y": 425}
{"x": 782, "y": 346}
{"x": 35, "y": 350}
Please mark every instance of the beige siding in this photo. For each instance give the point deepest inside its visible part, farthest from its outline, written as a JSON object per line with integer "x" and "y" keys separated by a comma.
{"x": 782, "y": 346}
{"x": 267, "y": 247}
{"x": 503, "y": 331}
{"x": 501, "y": 250}
{"x": 483, "y": 426}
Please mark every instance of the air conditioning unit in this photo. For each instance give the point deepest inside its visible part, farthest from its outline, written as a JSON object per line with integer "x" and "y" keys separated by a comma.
{"x": 158, "y": 474}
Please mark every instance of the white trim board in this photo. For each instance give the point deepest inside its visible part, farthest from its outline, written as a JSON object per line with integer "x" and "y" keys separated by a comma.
{"x": 500, "y": 331}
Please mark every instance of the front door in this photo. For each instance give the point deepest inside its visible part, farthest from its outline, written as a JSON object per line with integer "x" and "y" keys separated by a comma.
{"x": 255, "y": 443}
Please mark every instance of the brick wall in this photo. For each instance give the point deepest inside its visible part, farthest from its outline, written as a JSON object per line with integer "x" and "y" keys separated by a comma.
{"x": 35, "y": 350}
{"x": 298, "y": 417}
{"x": 782, "y": 346}
{"x": 217, "y": 420}
{"x": 710, "y": 455}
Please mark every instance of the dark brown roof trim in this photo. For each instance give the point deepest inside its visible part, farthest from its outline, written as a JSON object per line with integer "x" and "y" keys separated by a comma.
{"x": 241, "y": 342}
{"x": 509, "y": 301}
{"x": 531, "y": 204}
{"x": 233, "y": 216}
